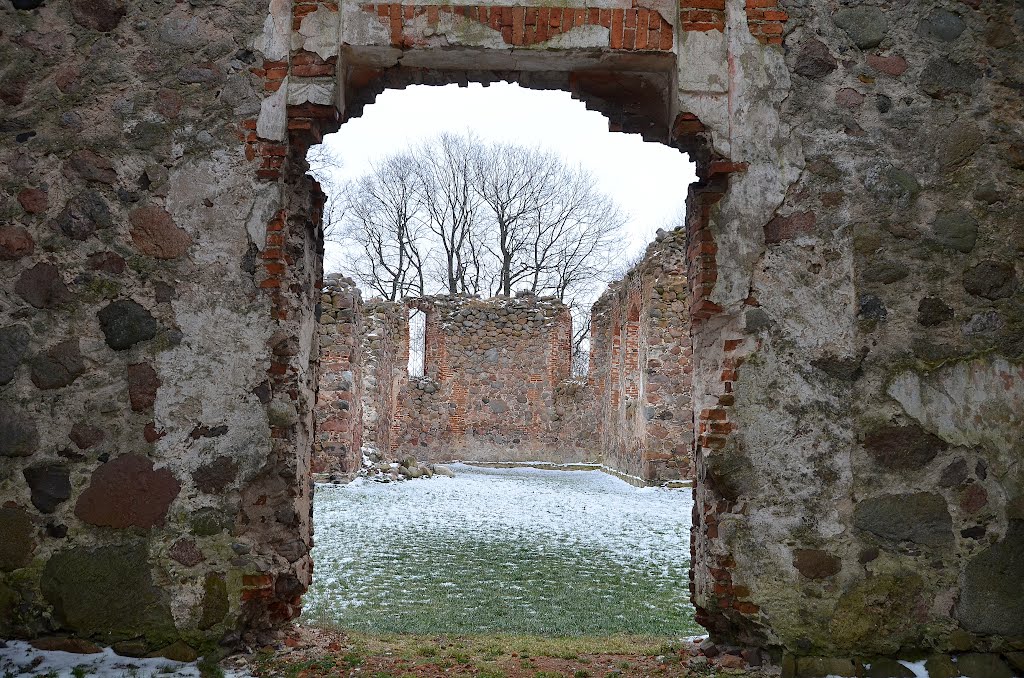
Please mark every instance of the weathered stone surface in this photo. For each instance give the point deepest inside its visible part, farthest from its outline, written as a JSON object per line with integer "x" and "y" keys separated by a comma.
{"x": 942, "y": 76}
{"x": 178, "y": 652}
{"x": 921, "y": 517}
{"x": 33, "y": 200}
{"x": 83, "y": 215}
{"x": 99, "y": 15}
{"x": 883, "y": 667}
{"x": 816, "y": 564}
{"x": 881, "y": 604}
{"x": 824, "y": 667}
{"x": 814, "y": 60}
{"x": 215, "y": 600}
{"x": 13, "y": 346}
{"x": 186, "y": 552}
{"x": 107, "y": 593}
{"x": 866, "y": 26}
{"x": 142, "y": 386}
{"x": 15, "y": 242}
{"x": 894, "y": 65}
{"x": 941, "y": 666}
{"x": 991, "y": 279}
{"x": 42, "y": 286}
{"x": 19, "y": 436}
{"x": 942, "y": 25}
{"x": 92, "y": 166}
{"x": 50, "y": 485}
{"x": 215, "y": 476}
{"x": 126, "y": 323}
{"x": 990, "y": 600}
{"x": 956, "y": 230}
{"x": 127, "y": 492}
{"x": 783, "y": 228}
{"x": 987, "y": 664}
{"x": 18, "y": 541}
{"x": 85, "y": 436}
{"x": 959, "y": 145}
{"x": 932, "y": 311}
{"x": 72, "y": 645}
{"x": 59, "y": 366}
{"x": 107, "y": 262}
{"x": 155, "y": 233}
{"x": 903, "y": 447}
{"x": 209, "y": 521}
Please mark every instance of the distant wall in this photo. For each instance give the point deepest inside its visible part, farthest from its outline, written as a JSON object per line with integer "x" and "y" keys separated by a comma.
{"x": 640, "y": 366}
{"x": 497, "y": 385}
{"x": 339, "y": 410}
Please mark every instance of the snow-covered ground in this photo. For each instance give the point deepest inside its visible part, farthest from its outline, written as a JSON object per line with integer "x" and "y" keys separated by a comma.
{"x": 502, "y": 550}
{"x": 18, "y": 658}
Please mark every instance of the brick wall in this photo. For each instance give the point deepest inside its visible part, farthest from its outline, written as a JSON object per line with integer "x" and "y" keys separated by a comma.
{"x": 339, "y": 410}
{"x": 640, "y": 366}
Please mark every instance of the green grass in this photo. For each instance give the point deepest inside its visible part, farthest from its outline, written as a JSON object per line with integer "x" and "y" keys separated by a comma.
{"x": 431, "y": 585}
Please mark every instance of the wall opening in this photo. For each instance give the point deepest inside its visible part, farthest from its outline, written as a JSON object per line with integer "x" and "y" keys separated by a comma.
{"x": 498, "y": 379}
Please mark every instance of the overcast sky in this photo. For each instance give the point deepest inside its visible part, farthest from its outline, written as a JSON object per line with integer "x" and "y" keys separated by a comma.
{"x": 648, "y": 180}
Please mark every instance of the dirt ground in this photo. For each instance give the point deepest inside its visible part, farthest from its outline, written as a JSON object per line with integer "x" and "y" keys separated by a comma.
{"x": 310, "y": 652}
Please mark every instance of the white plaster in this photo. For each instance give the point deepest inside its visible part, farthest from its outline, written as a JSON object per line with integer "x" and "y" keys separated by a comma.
{"x": 320, "y": 32}
{"x": 980, "y": 402}
{"x": 311, "y": 90}
{"x": 703, "y": 61}
{"x": 581, "y": 36}
{"x": 275, "y": 40}
{"x": 272, "y": 122}
{"x": 362, "y": 28}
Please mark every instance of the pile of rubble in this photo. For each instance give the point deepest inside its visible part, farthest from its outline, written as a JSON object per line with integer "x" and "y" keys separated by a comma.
{"x": 375, "y": 467}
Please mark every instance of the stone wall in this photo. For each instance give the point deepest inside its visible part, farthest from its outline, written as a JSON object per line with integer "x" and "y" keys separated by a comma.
{"x": 640, "y": 366}
{"x": 492, "y": 388}
{"x": 854, "y": 272}
{"x": 339, "y": 408}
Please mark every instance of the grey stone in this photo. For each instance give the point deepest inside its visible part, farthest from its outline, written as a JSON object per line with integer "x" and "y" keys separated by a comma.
{"x": 886, "y": 272}
{"x": 991, "y": 279}
{"x": 13, "y": 346}
{"x": 921, "y": 517}
{"x": 984, "y": 664}
{"x": 982, "y": 324}
{"x": 884, "y": 667}
{"x": 990, "y": 599}
{"x": 866, "y": 26}
{"x": 870, "y": 307}
{"x": 208, "y": 521}
{"x": 126, "y": 323}
{"x": 942, "y": 76}
{"x": 823, "y": 667}
{"x": 19, "y": 436}
{"x": 941, "y": 666}
{"x": 50, "y": 485}
{"x": 83, "y": 215}
{"x": 442, "y": 470}
{"x": 956, "y": 230}
{"x": 942, "y": 25}
{"x": 932, "y": 311}
{"x": 59, "y": 366}
{"x": 959, "y": 144}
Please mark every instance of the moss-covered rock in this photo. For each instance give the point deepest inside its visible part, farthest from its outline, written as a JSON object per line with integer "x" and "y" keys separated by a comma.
{"x": 107, "y": 593}
{"x": 990, "y": 598}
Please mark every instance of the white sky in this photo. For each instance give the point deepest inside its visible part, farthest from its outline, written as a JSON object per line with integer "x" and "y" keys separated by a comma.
{"x": 648, "y": 180}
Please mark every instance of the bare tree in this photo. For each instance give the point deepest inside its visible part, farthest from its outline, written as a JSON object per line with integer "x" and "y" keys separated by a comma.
{"x": 444, "y": 171}
{"x": 324, "y": 165}
{"x": 551, "y": 229}
{"x": 383, "y": 225}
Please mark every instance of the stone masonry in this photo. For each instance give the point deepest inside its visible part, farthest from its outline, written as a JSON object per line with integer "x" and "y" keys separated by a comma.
{"x": 640, "y": 366}
{"x": 339, "y": 410}
{"x": 854, "y": 300}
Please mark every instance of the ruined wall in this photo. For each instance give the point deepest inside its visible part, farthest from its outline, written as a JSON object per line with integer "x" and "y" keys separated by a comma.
{"x": 857, "y": 331}
{"x": 640, "y": 366}
{"x": 339, "y": 407}
{"x": 385, "y": 342}
{"x": 854, "y": 277}
{"x": 158, "y": 277}
{"x": 490, "y": 389}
